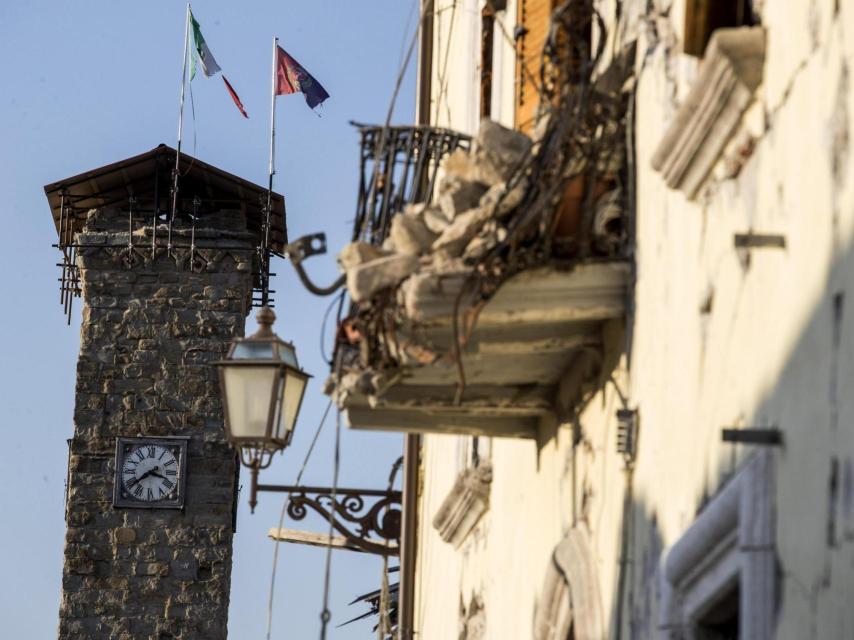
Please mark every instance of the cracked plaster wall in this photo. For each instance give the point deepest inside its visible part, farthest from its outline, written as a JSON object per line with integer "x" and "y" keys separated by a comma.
{"x": 719, "y": 338}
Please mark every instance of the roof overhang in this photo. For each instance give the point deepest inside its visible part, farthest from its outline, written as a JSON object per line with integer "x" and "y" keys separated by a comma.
{"x": 148, "y": 178}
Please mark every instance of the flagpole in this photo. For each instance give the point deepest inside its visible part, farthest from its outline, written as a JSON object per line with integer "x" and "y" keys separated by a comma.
{"x": 180, "y": 125}
{"x": 272, "y": 172}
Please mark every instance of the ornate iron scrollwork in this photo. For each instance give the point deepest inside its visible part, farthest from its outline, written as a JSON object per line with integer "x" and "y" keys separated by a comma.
{"x": 369, "y": 519}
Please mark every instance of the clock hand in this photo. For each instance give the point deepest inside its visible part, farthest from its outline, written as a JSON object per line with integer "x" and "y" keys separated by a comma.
{"x": 146, "y": 474}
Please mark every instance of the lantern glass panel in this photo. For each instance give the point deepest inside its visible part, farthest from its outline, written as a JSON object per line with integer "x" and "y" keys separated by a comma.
{"x": 292, "y": 392}
{"x": 249, "y": 350}
{"x": 249, "y": 390}
{"x": 288, "y": 355}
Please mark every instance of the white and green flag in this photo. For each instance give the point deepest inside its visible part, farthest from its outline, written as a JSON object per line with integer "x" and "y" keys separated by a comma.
{"x": 208, "y": 63}
{"x": 206, "y": 59}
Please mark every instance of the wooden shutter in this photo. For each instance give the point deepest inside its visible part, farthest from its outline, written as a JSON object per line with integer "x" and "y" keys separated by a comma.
{"x": 533, "y": 16}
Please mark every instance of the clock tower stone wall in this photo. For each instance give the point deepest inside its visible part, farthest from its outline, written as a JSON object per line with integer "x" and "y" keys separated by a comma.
{"x": 151, "y": 328}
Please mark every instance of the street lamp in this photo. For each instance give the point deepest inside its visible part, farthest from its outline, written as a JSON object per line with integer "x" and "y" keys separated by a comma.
{"x": 262, "y": 388}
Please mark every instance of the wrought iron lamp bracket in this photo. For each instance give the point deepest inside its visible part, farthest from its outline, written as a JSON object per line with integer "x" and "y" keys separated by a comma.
{"x": 368, "y": 518}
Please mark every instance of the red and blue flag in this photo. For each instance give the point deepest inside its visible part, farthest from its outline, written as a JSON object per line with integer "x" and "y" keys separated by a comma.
{"x": 291, "y": 77}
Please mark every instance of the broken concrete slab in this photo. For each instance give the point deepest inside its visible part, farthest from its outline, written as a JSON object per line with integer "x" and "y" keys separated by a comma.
{"x": 435, "y": 220}
{"x": 499, "y": 151}
{"x": 409, "y": 234}
{"x": 356, "y": 253}
{"x": 461, "y": 231}
{"x": 461, "y": 164}
{"x": 488, "y": 238}
{"x": 503, "y": 201}
{"x": 364, "y": 280}
{"x": 458, "y": 194}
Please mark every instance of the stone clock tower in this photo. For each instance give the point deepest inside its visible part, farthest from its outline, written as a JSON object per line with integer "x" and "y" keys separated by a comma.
{"x": 151, "y": 481}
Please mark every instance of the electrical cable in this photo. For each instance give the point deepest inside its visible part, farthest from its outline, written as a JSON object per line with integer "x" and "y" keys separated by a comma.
{"x": 380, "y": 148}
{"x": 325, "y": 614}
{"x": 282, "y": 515}
{"x": 338, "y": 298}
{"x": 443, "y": 77}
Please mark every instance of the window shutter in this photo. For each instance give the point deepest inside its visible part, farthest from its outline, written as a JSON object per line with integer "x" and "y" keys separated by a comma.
{"x": 533, "y": 16}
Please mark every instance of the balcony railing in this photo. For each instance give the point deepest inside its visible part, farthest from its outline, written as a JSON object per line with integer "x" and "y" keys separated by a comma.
{"x": 398, "y": 166}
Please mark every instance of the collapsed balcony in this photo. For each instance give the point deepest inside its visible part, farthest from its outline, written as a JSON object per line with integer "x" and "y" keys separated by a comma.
{"x": 484, "y": 296}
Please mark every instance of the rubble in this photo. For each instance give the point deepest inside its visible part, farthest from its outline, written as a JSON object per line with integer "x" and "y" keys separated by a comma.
{"x": 502, "y": 200}
{"x": 460, "y": 232}
{"x": 459, "y": 194}
{"x": 409, "y": 233}
{"x": 483, "y": 198}
{"x": 435, "y": 220}
{"x": 366, "y": 279}
{"x": 498, "y": 151}
{"x": 356, "y": 253}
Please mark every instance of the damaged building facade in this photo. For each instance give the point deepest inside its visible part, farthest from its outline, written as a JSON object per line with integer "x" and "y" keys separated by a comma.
{"x": 616, "y": 322}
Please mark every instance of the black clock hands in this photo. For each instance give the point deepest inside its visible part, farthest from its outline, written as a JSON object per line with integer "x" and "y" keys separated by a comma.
{"x": 150, "y": 472}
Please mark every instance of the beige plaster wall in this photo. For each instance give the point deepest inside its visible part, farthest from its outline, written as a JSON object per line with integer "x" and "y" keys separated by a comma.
{"x": 717, "y": 340}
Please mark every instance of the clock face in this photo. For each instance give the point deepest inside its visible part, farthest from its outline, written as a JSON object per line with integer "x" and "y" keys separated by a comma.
{"x": 150, "y": 472}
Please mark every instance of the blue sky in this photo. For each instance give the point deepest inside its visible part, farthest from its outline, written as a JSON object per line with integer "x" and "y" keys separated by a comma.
{"x": 91, "y": 82}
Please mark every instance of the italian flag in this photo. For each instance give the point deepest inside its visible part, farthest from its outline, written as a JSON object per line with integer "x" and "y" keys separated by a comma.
{"x": 208, "y": 63}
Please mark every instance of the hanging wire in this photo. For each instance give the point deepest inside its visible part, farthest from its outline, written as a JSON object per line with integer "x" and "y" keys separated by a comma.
{"x": 380, "y": 148}
{"x": 325, "y": 614}
{"x": 339, "y": 299}
{"x": 282, "y": 516}
{"x": 443, "y": 74}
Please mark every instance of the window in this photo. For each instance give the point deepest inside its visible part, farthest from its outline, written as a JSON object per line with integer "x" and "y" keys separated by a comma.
{"x": 720, "y": 576}
{"x": 571, "y": 50}
{"x": 702, "y": 17}
{"x": 721, "y": 621}
{"x": 532, "y": 28}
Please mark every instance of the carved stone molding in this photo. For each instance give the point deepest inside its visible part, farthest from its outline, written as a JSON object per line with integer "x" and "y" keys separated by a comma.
{"x": 731, "y": 71}
{"x": 732, "y": 540}
{"x": 571, "y": 599}
{"x": 467, "y": 501}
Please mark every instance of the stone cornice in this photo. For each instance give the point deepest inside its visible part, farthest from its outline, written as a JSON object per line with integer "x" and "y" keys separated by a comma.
{"x": 730, "y": 73}
{"x": 467, "y": 501}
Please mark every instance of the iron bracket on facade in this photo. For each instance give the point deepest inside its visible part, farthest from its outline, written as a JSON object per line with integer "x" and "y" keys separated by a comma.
{"x": 313, "y": 244}
{"x": 369, "y": 519}
{"x": 755, "y": 435}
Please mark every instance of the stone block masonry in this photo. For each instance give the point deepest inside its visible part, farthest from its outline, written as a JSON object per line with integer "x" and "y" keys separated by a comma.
{"x": 150, "y": 329}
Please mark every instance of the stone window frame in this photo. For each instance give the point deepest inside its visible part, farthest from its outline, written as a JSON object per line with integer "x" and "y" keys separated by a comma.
{"x": 570, "y": 604}
{"x": 468, "y": 499}
{"x": 726, "y": 85}
{"x": 733, "y": 539}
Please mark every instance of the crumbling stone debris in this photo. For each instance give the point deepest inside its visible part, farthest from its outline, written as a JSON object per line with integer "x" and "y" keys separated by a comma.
{"x": 502, "y": 201}
{"x": 409, "y": 233}
{"x": 435, "y": 219}
{"x": 499, "y": 151}
{"x": 357, "y": 253}
{"x": 460, "y": 232}
{"x": 459, "y": 194}
{"x": 364, "y": 280}
{"x": 462, "y": 164}
{"x": 490, "y": 235}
